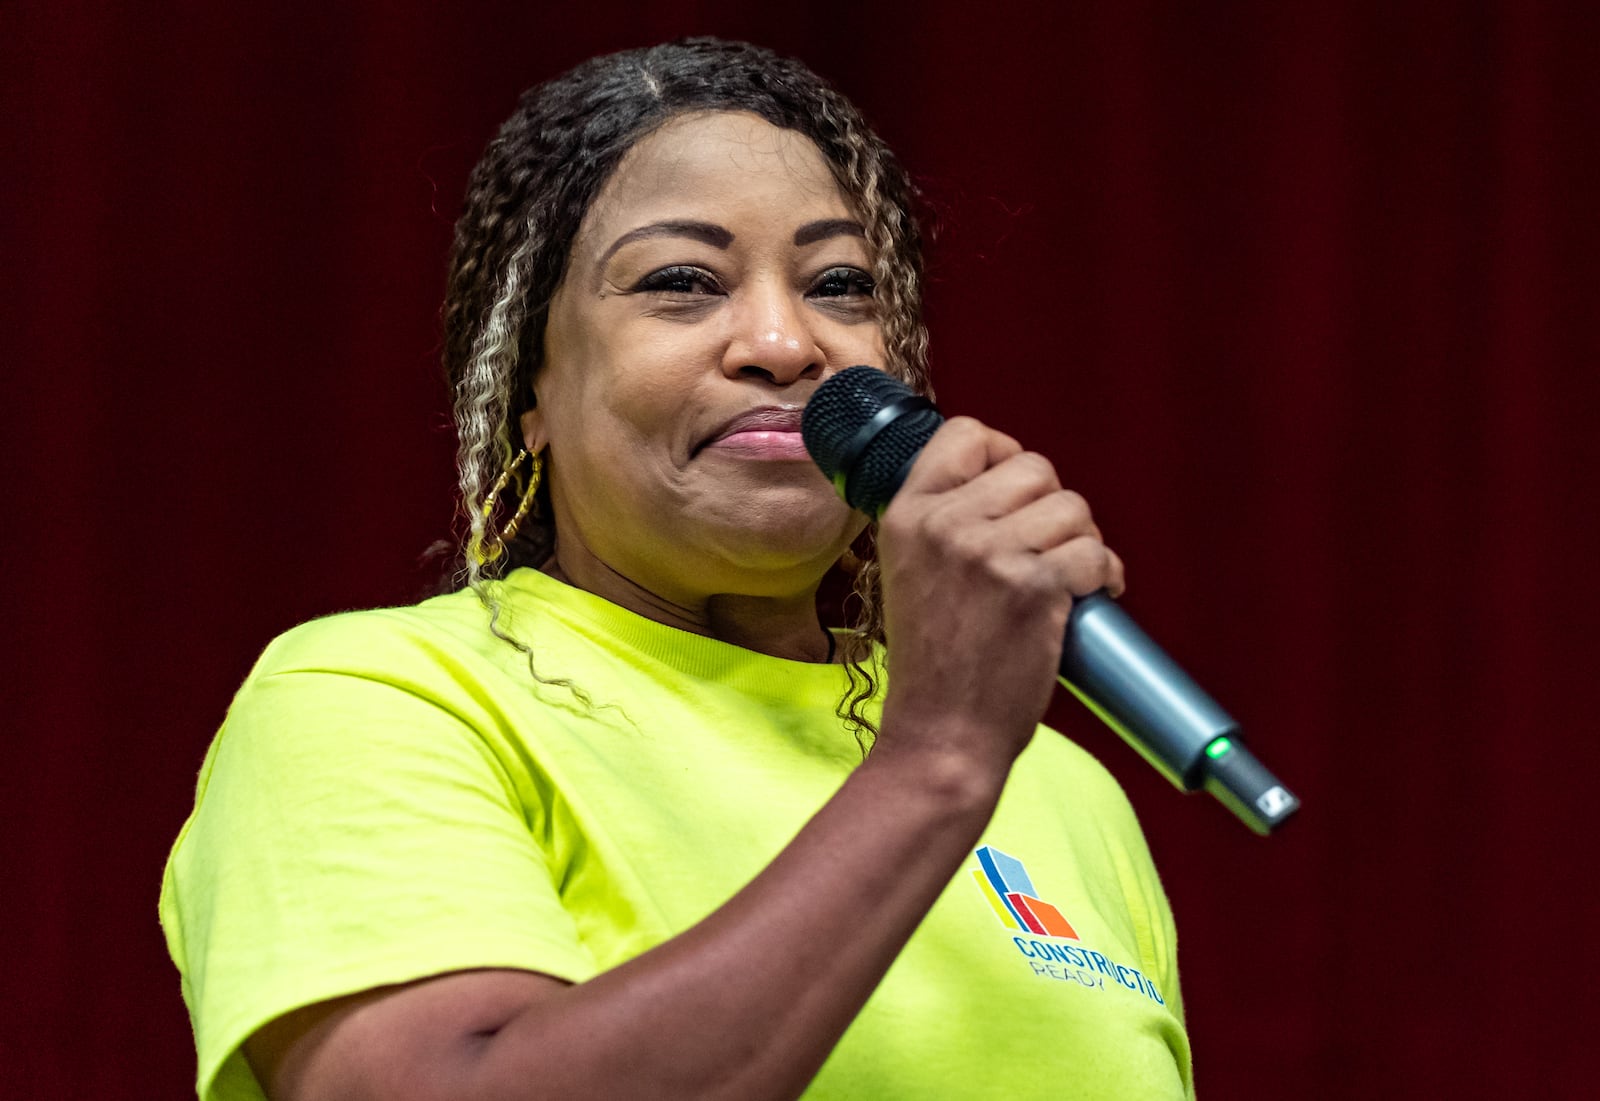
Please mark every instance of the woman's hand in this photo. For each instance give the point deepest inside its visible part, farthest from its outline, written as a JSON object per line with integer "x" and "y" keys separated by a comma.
{"x": 982, "y": 552}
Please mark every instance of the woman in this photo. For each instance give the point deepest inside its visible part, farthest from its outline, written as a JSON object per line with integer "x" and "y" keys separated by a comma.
{"x": 596, "y": 825}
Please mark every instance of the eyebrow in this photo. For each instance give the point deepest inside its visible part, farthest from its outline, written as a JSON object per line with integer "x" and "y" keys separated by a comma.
{"x": 812, "y": 232}
{"x": 713, "y": 235}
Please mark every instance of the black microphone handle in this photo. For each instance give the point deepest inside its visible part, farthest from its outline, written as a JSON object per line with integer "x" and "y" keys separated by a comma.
{"x": 1121, "y": 675}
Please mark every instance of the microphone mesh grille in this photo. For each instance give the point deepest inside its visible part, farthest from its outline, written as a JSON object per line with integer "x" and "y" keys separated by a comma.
{"x": 839, "y": 409}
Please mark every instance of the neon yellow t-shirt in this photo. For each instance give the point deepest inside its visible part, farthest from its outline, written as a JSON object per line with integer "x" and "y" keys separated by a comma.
{"x": 393, "y": 795}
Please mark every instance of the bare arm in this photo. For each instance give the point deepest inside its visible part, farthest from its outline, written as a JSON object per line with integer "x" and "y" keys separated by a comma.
{"x": 981, "y": 550}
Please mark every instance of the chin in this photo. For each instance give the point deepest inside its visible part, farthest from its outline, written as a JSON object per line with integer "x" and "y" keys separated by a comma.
{"x": 789, "y": 540}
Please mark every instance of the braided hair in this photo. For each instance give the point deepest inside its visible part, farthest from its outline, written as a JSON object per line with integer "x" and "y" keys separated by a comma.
{"x": 525, "y": 202}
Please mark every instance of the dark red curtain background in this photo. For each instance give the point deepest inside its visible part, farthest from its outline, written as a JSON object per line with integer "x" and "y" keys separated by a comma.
{"x": 1301, "y": 296}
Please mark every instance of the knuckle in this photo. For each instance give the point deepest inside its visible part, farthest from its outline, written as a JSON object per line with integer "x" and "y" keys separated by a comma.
{"x": 962, "y": 431}
{"x": 974, "y": 433}
{"x": 925, "y": 525}
{"x": 1091, "y": 562}
{"x": 969, "y": 543}
{"x": 944, "y": 532}
{"x": 1042, "y": 586}
{"x": 1119, "y": 573}
{"x": 1076, "y": 505}
{"x": 1037, "y": 466}
{"x": 1032, "y": 574}
{"x": 1008, "y": 443}
{"x": 1100, "y": 558}
{"x": 899, "y": 520}
{"x": 1020, "y": 577}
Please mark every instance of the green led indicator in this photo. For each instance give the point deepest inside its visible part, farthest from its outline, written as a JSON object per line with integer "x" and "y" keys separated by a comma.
{"x": 1219, "y": 748}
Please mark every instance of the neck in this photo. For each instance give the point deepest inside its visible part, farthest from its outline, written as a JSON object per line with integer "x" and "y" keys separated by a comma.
{"x": 780, "y": 625}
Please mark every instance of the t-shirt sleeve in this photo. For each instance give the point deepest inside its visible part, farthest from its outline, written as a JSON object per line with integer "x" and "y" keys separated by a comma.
{"x": 1154, "y": 928}
{"x": 353, "y": 829}
{"x": 1100, "y": 800}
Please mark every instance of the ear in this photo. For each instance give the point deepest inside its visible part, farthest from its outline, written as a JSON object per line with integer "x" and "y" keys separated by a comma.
{"x": 533, "y": 434}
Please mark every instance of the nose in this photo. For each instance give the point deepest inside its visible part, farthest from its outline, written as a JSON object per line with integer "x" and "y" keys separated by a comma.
{"x": 772, "y": 337}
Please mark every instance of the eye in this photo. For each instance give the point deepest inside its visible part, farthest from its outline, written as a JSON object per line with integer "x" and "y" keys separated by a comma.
{"x": 679, "y": 279}
{"x": 843, "y": 283}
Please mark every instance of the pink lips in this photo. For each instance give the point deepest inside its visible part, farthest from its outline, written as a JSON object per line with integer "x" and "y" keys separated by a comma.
{"x": 770, "y": 432}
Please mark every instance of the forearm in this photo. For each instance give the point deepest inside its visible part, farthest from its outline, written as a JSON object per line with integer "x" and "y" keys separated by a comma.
{"x": 717, "y": 1012}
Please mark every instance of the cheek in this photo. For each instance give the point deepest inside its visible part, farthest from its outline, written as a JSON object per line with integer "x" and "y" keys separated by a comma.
{"x": 857, "y": 344}
{"x": 641, "y": 418}
{"x": 623, "y": 433}
{"x": 878, "y": 341}
{"x": 632, "y": 374}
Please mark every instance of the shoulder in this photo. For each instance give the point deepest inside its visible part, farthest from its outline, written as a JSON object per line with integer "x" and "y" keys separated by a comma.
{"x": 380, "y": 638}
{"x": 1052, "y": 759}
{"x": 370, "y": 684}
{"x": 1059, "y": 785}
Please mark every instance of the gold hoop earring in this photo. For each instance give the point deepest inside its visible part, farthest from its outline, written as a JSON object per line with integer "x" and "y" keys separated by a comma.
{"x": 487, "y": 554}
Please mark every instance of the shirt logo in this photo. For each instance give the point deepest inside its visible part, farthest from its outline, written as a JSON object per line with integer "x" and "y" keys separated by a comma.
{"x": 1005, "y": 885}
{"x": 1011, "y": 894}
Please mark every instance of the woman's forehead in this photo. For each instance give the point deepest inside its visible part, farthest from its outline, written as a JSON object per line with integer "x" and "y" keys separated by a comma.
{"x": 705, "y": 165}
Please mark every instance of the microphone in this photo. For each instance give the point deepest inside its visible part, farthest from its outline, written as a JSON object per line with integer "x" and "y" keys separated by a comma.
{"x": 865, "y": 428}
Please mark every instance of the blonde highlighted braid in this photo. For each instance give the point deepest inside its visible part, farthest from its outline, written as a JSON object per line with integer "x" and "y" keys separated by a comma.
{"x": 524, "y": 204}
